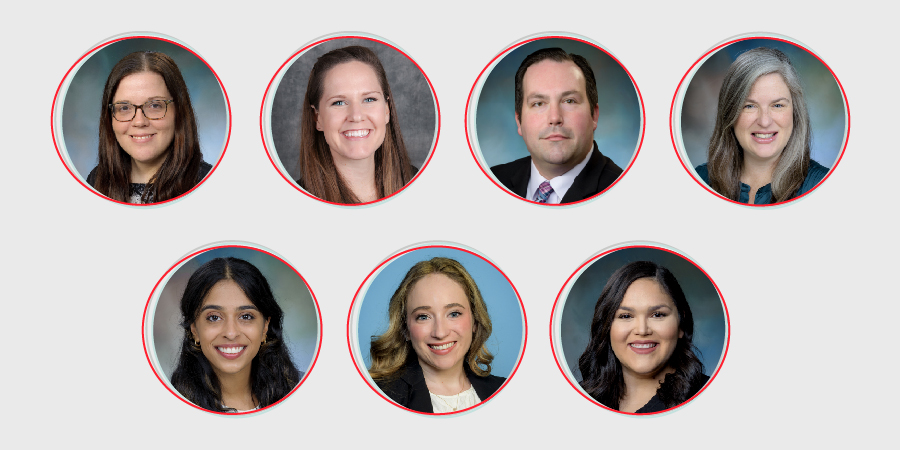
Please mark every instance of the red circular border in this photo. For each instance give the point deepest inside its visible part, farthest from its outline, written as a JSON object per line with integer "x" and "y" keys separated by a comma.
{"x": 719, "y": 47}
{"x": 519, "y": 44}
{"x": 147, "y": 307}
{"x": 262, "y": 109}
{"x": 91, "y": 53}
{"x": 376, "y": 390}
{"x": 595, "y": 258}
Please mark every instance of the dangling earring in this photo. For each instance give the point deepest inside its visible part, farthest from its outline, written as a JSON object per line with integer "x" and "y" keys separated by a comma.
{"x": 196, "y": 344}
{"x": 264, "y": 339}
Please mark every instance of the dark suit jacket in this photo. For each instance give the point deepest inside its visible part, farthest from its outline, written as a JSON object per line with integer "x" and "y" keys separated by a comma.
{"x": 598, "y": 174}
{"x": 409, "y": 389}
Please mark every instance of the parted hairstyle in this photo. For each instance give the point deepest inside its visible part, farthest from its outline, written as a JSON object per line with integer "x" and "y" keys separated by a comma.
{"x": 178, "y": 172}
{"x": 558, "y": 55}
{"x": 318, "y": 174}
{"x": 601, "y": 371}
{"x": 725, "y": 155}
{"x": 272, "y": 374}
{"x": 390, "y": 350}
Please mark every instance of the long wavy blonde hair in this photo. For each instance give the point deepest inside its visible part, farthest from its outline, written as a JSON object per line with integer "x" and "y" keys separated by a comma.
{"x": 391, "y": 350}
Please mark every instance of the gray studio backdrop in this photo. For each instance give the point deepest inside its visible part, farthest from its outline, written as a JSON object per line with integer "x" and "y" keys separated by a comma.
{"x": 709, "y": 314}
{"x": 503, "y": 305}
{"x": 301, "y": 324}
{"x": 413, "y": 99}
{"x": 619, "y": 125}
{"x": 823, "y": 98}
{"x": 82, "y": 108}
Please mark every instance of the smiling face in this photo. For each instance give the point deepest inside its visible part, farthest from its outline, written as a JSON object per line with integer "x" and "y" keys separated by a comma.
{"x": 353, "y": 113}
{"x": 146, "y": 141}
{"x": 766, "y": 120}
{"x": 557, "y": 122}
{"x": 645, "y": 329}
{"x": 440, "y": 322}
{"x": 230, "y": 329}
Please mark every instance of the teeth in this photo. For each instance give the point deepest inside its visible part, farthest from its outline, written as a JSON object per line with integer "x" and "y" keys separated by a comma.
{"x": 356, "y": 133}
{"x": 142, "y": 138}
{"x": 442, "y": 347}
{"x": 231, "y": 350}
{"x": 643, "y": 345}
{"x": 764, "y": 136}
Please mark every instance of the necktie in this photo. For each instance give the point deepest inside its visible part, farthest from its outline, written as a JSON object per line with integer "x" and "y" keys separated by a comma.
{"x": 543, "y": 192}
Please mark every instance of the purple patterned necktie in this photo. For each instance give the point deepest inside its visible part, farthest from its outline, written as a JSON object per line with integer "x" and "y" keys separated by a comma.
{"x": 543, "y": 192}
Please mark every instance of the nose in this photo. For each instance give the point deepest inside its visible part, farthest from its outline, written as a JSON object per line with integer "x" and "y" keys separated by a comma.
{"x": 231, "y": 329}
{"x": 139, "y": 118}
{"x": 765, "y": 117}
{"x": 439, "y": 329}
{"x": 642, "y": 327}
{"x": 554, "y": 114}
{"x": 355, "y": 112}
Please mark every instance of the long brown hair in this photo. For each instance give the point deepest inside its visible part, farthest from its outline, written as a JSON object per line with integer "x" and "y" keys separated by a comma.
{"x": 178, "y": 172}
{"x": 317, "y": 170}
{"x": 725, "y": 155}
{"x": 391, "y": 350}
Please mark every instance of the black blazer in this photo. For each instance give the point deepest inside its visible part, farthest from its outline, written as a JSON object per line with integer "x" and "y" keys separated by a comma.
{"x": 656, "y": 405}
{"x": 409, "y": 389}
{"x": 599, "y": 173}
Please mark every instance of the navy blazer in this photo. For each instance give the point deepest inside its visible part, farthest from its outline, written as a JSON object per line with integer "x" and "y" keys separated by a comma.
{"x": 599, "y": 173}
{"x": 409, "y": 389}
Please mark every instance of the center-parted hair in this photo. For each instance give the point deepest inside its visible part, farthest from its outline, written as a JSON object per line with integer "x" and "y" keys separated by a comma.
{"x": 601, "y": 371}
{"x": 318, "y": 173}
{"x": 725, "y": 155}
{"x": 272, "y": 375}
{"x": 558, "y": 55}
{"x": 178, "y": 172}
{"x": 390, "y": 350}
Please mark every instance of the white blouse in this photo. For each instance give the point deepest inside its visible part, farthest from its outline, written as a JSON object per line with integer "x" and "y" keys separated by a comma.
{"x": 451, "y": 403}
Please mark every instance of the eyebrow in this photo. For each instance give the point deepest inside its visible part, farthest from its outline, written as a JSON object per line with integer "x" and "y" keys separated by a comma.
{"x": 652, "y": 308}
{"x": 157, "y": 97}
{"x": 447, "y": 306}
{"x": 782, "y": 99}
{"x": 219, "y": 308}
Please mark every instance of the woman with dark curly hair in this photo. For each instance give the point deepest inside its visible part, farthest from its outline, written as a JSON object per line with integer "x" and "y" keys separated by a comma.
{"x": 641, "y": 358}
{"x": 233, "y": 356}
{"x": 433, "y": 357}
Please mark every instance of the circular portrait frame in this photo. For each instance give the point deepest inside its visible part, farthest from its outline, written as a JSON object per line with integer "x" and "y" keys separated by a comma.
{"x": 162, "y": 332}
{"x": 693, "y": 111}
{"x": 573, "y": 311}
{"x": 74, "y": 116}
{"x": 286, "y": 90}
{"x": 368, "y": 316}
{"x": 620, "y": 126}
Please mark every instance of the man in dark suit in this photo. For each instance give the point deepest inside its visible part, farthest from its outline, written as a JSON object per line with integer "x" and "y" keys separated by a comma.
{"x": 556, "y": 114}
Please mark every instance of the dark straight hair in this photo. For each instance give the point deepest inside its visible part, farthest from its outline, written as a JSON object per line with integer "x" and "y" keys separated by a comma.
{"x": 558, "y": 55}
{"x": 601, "y": 371}
{"x": 273, "y": 375}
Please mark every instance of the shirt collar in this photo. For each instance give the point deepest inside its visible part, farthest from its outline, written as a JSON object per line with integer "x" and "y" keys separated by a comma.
{"x": 560, "y": 184}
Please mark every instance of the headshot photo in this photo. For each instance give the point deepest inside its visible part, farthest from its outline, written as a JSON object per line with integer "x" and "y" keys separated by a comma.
{"x": 641, "y": 330}
{"x": 141, "y": 120}
{"x": 555, "y": 120}
{"x": 761, "y": 121}
{"x": 232, "y": 329}
{"x": 438, "y": 330}
{"x": 350, "y": 120}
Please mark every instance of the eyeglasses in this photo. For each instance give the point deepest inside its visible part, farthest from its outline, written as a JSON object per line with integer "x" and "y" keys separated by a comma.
{"x": 153, "y": 110}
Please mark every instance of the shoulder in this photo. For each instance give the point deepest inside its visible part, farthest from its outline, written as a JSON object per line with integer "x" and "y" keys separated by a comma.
{"x": 702, "y": 172}
{"x": 485, "y": 386}
{"x": 205, "y": 167}
{"x": 92, "y": 177}
{"x": 510, "y": 169}
{"x": 395, "y": 388}
{"x": 413, "y": 170}
{"x": 815, "y": 175}
{"x": 608, "y": 170}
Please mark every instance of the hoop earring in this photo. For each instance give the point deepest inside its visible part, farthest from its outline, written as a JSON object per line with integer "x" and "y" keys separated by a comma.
{"x": 196, "y": 344}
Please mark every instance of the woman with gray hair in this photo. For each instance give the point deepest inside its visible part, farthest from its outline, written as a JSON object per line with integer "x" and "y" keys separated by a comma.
{"x": 759, "y": 152}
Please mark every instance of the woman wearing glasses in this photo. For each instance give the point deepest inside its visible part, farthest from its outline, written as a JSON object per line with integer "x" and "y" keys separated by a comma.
{"x": 351, "y": 148}
{"x": 149, "y": 149}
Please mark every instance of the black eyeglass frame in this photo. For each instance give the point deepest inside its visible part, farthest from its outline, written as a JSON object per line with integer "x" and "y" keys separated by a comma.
{"x": 137, "y": 107}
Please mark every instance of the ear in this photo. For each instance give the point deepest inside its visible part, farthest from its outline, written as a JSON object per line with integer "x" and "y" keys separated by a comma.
{"x": 595, "y": 116}
{"x": 680, "y": 333}
{"x": 266, "y": 328}
{"x": 318, "y": 123}
{"x": 519, "y": 124}
{"x": 194, "y": 332}
{"x": 387, "y": 111}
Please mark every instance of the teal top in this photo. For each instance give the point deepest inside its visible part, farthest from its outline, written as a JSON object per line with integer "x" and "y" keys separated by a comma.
{"x": 816, "y": 174}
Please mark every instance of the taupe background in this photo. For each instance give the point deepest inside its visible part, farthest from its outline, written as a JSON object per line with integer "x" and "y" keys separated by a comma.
{"x": 412, "y": 98}
{"x": 809, "y": 286}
